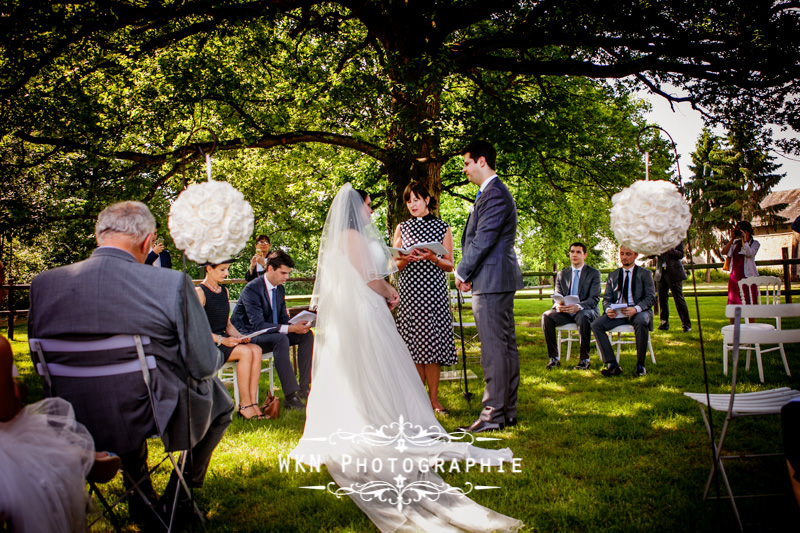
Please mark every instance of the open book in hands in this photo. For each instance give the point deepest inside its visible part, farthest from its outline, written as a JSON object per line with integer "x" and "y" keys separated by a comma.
{"x": 435, "y": 247}
{"x": 304, "y": 316}
{"x": 566, "y": 300}
{"x": 259, "y": 332}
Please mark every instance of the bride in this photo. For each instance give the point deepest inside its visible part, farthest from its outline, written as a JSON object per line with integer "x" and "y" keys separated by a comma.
{"x": 369, "y": 419}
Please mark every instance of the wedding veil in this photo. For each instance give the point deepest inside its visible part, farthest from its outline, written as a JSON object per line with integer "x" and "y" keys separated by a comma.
{"x": 349, "y": 233}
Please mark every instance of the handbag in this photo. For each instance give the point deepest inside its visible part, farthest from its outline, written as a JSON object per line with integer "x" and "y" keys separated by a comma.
{"x": 727, "y": 266}
{"x": 271, "y": 406}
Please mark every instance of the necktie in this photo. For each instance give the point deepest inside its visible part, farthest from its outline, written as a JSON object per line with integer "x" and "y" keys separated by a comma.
{"x": 478, "y": 195}
{"x": 274, "y": 305}
{"x": 624, "y": 298}
{"x": 576, "y": 275}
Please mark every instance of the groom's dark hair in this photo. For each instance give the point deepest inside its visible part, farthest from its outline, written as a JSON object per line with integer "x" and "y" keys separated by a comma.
{"x": 278, "y": 259}
{"x": 478, "y": 149}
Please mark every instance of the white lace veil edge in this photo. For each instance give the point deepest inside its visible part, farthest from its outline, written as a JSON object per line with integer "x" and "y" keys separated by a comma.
{"x": 350, "y": 234}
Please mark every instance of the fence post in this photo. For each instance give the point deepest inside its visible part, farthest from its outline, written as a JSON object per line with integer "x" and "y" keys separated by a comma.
{"x": 11, "y": 311}
{"x": 787, "y": 275}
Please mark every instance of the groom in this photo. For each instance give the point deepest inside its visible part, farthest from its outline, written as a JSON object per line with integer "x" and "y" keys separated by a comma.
{"x": 490, "y": 270}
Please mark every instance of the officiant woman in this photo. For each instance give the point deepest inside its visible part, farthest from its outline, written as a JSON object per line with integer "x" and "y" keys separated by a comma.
{"x": 423, "y": 317}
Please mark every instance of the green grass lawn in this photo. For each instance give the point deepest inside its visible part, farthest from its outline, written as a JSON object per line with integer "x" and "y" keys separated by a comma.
{"x": 598, "y": 454}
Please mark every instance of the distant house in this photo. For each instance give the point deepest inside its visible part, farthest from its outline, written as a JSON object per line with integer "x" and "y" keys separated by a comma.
{"x": 775, "y": 238}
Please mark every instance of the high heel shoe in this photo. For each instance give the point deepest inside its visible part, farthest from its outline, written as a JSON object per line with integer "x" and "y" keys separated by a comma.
{"x": 254, "y": 417}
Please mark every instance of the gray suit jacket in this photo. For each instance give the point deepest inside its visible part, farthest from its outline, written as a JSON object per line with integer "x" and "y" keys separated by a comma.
{"x": 110, "y": 294}
{"x": 588, "y": 286}
{"x": 644, "y": 290}
{"x": 488, "y": 259}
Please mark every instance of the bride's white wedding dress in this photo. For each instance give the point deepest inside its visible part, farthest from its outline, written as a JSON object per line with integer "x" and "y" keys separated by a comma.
{"x": 369, "y": 418}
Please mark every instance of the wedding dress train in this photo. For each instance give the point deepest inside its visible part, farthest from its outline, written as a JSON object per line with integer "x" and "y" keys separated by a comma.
{"x": 369, "y": 418}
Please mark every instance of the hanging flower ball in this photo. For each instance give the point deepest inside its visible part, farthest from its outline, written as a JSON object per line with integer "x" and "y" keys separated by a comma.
{"x": 650, "y": 217}
{"x": 210, "y": 221}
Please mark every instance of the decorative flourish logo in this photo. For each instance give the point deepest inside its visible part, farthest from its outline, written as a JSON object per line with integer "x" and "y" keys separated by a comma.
{"x": 400, "y": 434}
{"x": 393, "y": 487}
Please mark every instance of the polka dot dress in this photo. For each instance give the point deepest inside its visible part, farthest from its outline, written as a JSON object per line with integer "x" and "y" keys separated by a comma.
{"x": 423, "y": 317}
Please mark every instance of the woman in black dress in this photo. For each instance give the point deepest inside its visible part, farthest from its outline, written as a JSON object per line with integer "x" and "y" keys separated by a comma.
{"x": 214, "y": 298}
{"x": 423, "y": 317}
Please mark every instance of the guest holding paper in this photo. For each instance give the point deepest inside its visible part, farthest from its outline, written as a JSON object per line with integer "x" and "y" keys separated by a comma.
{"x": 629, "y": 298}
{"x": 423, "y": 317}
{"x": 214, "y": 298}
{"x": 582, "y": 283}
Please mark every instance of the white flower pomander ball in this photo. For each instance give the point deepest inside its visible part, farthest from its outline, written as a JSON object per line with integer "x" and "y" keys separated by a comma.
{"x": 210, "y": 221}
{"x": 650, "y": 217}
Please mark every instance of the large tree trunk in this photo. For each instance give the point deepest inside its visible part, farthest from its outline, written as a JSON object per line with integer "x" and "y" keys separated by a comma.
{"x": 414, "y": 142}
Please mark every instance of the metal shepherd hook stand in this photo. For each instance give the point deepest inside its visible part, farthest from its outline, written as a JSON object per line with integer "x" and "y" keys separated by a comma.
{"x": 467, "y": 393}
{"x": 694, "y": 286}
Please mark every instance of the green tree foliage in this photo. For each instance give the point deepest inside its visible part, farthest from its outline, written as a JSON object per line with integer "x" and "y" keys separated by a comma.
{"x": 100, "y": 98}
{"x": 731, "y": 177}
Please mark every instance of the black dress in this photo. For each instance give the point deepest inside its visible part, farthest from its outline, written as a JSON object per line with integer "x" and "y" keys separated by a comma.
{"x": 423, "y": 317}
{"x": 217, "y": 310}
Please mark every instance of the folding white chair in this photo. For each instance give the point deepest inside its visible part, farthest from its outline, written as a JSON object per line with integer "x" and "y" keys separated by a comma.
{"x": 756, "y": 290}
{"x": 138, "y": 363}
{"x": 627, "y": 329}
{"x": 766, "y": 402}
{"x": 228, "y": 374}
{"x": 572, "y": 335}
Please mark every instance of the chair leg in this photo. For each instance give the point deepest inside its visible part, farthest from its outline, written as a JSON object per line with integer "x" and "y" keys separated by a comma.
{"x": 569, "y": 344}
{"x": 236, "y": 385}
{"x": 619, "y": 345}
{"x": 558, "y": 343}
{"x": 650, "y": 346}
{"x": 758, "y": 362}
{"x": 724, "y": 358}
{"x": 785, "y": 363}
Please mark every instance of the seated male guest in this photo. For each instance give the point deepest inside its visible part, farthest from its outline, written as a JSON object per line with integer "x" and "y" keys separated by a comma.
{"x": 262, "y": 305}
{"x": 631, "y": 290}
{"x": 258, "y": 263}
{"x": 113, "y": 293}
{"x": 578, "y": 280}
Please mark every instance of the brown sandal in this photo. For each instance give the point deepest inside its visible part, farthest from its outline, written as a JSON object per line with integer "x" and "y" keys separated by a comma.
{"x": 254, "y": 417}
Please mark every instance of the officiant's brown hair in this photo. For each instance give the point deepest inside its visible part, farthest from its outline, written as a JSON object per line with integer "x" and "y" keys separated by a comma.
{"x": 419, "y": 191}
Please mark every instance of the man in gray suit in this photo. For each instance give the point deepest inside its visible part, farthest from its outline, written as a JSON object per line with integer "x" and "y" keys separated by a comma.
{"x": 631, "y": 293}
{"x": 489, "y": 269}
{"x": 578, "y": 280}
{"x": 669, "y": 276}
{"x": 111, "y": 293}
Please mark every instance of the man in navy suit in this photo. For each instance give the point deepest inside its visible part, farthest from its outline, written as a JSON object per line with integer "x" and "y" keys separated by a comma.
{"x": 489, "y": 269}
{"x": 578, "y": 280}
{"x": 262, "y": 305}
{"x": 632, "y": 291}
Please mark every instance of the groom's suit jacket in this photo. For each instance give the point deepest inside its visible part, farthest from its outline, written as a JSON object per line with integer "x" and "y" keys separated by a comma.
{"x": 253, "y": 312}
{"x": 644, "y": 291}
{"x": 111, "y": 294}
{"x": 588, "y": 286}
{"x": 488, "y": 259}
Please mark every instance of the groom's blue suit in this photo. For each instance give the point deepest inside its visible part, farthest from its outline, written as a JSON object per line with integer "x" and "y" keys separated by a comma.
{"x": 489, "y": 262}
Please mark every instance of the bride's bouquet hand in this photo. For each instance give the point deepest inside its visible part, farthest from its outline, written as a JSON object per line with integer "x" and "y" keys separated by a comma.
{"x": 394, "y": 300}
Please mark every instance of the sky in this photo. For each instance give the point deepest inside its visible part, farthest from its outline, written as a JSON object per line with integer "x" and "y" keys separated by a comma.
{"x": 685, "y": 126}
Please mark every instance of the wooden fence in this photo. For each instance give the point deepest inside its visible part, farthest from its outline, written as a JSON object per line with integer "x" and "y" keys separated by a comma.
{"x": 545, "y": 280}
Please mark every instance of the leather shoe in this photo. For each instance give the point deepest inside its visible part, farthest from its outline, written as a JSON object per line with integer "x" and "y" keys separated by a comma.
{"x": 553, "y": 363}
{"x": 664, "y": 326}
{"x": 303, "y": 395}
{"x": 582, "y": 365}
{"x": 511, "y": 422}
{"x": 640, "y": 371}
{"x": 480, "y": 426}
{"x": 612, "y": 369}
{"x": 687, "y": 328}
{"x": 293, "y": 402}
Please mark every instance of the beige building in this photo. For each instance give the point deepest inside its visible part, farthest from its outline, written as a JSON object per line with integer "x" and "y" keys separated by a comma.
{"x": 777, "y": 238}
